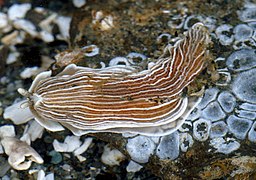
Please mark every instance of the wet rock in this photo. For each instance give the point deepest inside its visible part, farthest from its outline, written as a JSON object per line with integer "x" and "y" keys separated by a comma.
{"x": 225, "y": 146}
{"x": 56, "y": 157}
{"x": 244, "y": 86}
{"x": 209, "y": 96}
{"x": 213, "y": 112}
{"x": 248, "y": 14}
{"x": 252, "y": 133}
{"x": 241, "y": 60}
{"x": 140, "y": 148}
{"x": 224, "y": 34}
{"x": 218, "y": 129}
{"x": 227, "y": 101}
{"x": 168, "y": 147}
{"x": 133, "y": 167}
{"x": 248, "y": 106}
{"x": 239, "y": 126}
{"x": 247, "y": 114}
{"x": 18, "y": 11}
{"x": 112, "y": 157}
{"x": 243, "y": 32}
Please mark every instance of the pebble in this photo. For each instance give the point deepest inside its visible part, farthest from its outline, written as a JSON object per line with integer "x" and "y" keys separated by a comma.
{"x": 7, "y": 131}
{"x": 244, "y": 86}
{"x": 239, "y": 126}
{"x": 13, "y": 38}
{"x": 227, "y": 101}
{"x": 213, "y": 112}
{"x": 128, "y": 135}
{"x": 56, "y": 157}
{"x": 46, "y": 36}
{"x": 241, "y": 60}
{"x": 6, "y": 177}
{"x": 4, "y": 166}
{"x": 67, "y": 167}
{"x": 252, "y": 25}
{"x": 81, "y": 158}
{"x": 224, "y": 34}
{"x": 168, "y": 147}
{"x": 3, "y": 20}
{"x": 224, "y": 78}
{"x": 41, "y": 176}
{"x": 225, "y": 146}
{"x": 26, "y": 26}
{"x": 218, "y": 129}
{"x": 209, "y": 96}
{"x": 47, "y": 23}
{"x": 70, "y": 144}
{"x": 83, "y": 147}
{"x": 112, "y": 157}
{"x": 63, "y": 23}
{"x": 176, "y": 22}
{"x": 18, "y": 11}
{"x": 79, "y": 3}
{"x": 248, "y": 106}
{"x": 246, "y": 114}
{"x": 252, "y": 133}
{"x": 133, "y": 167}
{"x": 34, "y": 130}
{"x": 12, "y": 57}
{"x": 140, "y": 148}
{"x": 248, "y": 15}
{"x": 163, "y": 38}
{"x": 210, "y": 23}
{"x": 242, "y": 32}
{"x": 21, "y": 155}
{"x": 103, "y": 21}
{"x": 29, "y": 72}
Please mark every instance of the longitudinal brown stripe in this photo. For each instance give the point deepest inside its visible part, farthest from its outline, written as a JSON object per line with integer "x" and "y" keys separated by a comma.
{"x": 121, "y": 99}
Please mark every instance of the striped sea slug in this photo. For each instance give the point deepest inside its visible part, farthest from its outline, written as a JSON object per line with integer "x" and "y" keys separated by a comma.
{"x": 119, "y": 99}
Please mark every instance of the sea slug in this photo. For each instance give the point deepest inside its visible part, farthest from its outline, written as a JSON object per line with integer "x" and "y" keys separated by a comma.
{"x": 119, "y": 98}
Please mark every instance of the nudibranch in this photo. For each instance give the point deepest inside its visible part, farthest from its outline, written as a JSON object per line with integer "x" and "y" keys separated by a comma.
{"x": 120, "y": 99}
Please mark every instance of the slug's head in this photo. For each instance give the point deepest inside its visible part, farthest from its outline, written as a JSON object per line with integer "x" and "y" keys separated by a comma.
{"x": 32, "y": 98}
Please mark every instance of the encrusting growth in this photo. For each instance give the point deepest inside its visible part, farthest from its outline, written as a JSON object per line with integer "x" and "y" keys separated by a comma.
{"x": 119, "y": 99}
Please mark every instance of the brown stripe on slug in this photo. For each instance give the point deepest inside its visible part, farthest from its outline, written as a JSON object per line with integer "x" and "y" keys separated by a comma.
{"x": 119, "y": 99}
